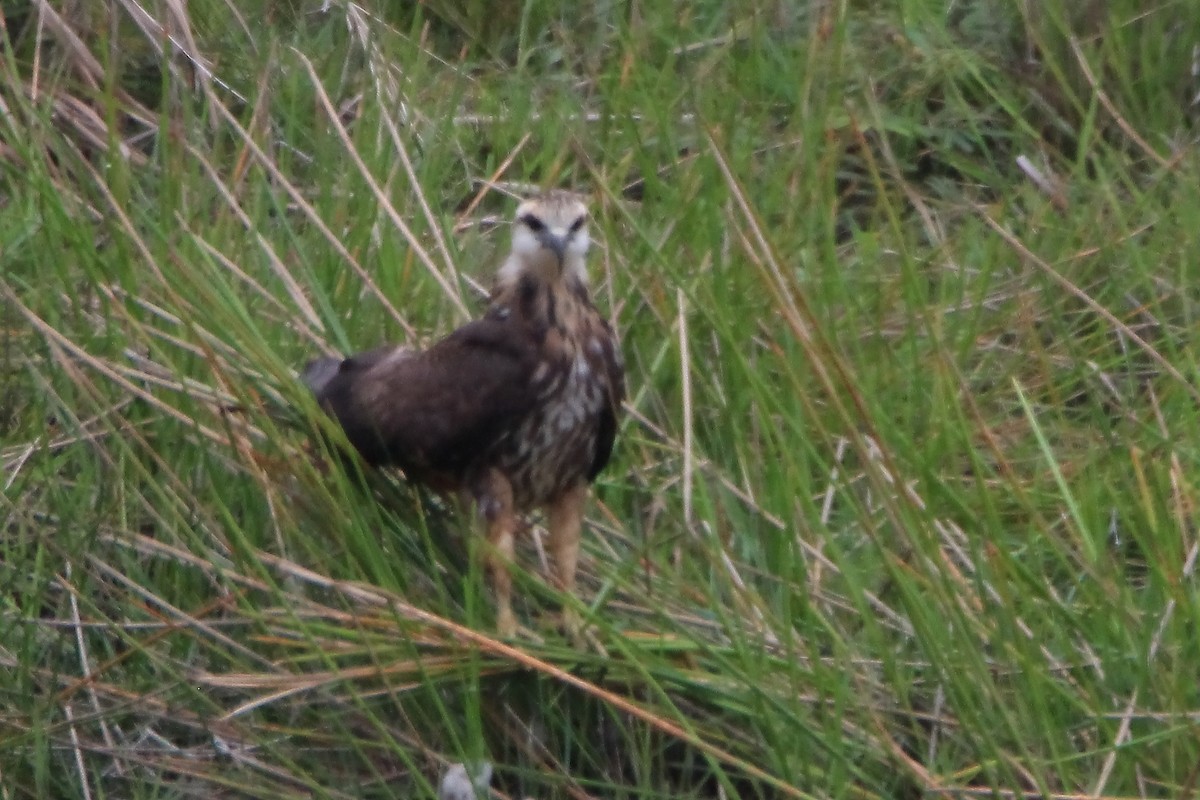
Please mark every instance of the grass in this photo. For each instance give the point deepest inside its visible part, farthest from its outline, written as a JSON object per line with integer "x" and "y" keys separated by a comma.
{"x": 902, "y": 501}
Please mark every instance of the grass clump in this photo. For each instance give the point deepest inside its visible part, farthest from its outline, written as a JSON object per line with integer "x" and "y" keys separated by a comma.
{"x": 902, "y": 499}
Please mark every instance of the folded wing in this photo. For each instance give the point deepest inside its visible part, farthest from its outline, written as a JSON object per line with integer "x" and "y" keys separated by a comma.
{"x": 434, "y": 412}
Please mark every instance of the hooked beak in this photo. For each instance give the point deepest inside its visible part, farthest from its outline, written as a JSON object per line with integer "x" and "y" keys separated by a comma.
{"x": 555, "y": 241}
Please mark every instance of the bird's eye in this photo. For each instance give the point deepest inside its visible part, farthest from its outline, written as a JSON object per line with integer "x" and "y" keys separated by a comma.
{"x": 533, "y": 223}
{"x": 577, "y": 225}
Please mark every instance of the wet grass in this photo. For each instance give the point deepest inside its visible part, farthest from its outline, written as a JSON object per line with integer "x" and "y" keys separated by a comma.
{"x": 901, "y": 502}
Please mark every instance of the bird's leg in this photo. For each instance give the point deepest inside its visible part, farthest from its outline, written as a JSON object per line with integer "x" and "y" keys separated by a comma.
{"x": 565, "y": 521}
{"x": 495, "y": 499}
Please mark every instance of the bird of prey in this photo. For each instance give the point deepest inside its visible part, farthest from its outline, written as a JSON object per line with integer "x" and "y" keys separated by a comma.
{"x": 516, "y": 410}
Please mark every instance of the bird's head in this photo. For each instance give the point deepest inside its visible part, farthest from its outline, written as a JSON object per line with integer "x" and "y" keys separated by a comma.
{"x": 550, "y": 239}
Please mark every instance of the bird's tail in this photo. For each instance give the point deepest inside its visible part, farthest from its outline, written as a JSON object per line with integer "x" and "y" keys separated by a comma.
{"x": 319, "y": 372}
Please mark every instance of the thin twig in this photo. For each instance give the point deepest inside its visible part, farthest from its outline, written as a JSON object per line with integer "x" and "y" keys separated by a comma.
{"x": 685, "y": 368}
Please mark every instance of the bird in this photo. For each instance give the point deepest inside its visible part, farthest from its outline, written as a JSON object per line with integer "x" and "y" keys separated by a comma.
{"x": 515, "y": 411}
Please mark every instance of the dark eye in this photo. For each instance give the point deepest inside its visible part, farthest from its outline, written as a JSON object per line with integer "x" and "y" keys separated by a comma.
{"x": 577, "y": 225}
{"x": 533, "y": 223}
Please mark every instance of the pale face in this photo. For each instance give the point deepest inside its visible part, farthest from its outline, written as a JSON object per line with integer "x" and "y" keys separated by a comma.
{"x": 552, "y": 231}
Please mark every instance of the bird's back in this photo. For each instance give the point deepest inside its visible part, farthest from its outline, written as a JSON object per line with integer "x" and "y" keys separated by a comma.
{"x": 431, "y": 413}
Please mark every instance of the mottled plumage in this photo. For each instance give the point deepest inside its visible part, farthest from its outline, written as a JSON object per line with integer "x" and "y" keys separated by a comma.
{"x": 517, "y": 409}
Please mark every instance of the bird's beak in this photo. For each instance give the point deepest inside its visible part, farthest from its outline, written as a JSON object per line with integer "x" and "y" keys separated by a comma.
{"x": 555, "y": 240}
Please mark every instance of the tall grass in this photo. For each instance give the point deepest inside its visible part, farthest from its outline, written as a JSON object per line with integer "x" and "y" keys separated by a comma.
{"x": 902, "y": 500}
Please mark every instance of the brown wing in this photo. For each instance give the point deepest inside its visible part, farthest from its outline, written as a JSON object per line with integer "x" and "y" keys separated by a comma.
{"x": 613, "y": 367}
{"x": 320, "y": 372}
{"x": 433, "y": 413}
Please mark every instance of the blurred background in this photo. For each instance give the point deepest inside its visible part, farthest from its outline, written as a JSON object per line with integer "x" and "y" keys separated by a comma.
{"x": 900, "y": 504}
